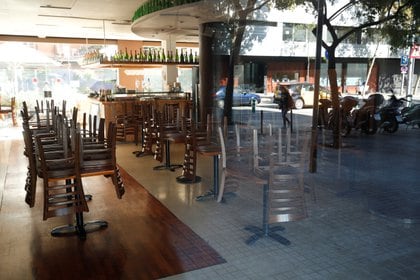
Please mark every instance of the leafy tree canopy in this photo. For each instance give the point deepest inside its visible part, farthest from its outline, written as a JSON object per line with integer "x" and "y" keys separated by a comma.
{"x": 397, "y": 22}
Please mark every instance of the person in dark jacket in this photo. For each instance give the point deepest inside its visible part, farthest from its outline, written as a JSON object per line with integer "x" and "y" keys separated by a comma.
{"x": 285, "y": 104}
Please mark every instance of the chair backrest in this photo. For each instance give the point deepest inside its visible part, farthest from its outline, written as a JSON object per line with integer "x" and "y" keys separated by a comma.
{"x": 190, "y": 159}
{"x": 286, "y": 197}
{"x": 63, "y": 190}
{"x": 286, "y": 185}
{"x": 30, "y": 185}
{"x": 222, "y": 146}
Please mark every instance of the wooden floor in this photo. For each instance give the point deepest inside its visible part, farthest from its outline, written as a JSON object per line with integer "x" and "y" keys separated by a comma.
{"x": 144, "y": 240}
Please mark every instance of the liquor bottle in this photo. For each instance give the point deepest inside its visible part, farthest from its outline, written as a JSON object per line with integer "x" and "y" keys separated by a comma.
{"x": 195, "y": 57}
{"x": 141, "y": 55}
{"x": 162, "y": 56}
{"x": 126, "y": 55}
{"x": 169, "y": 56}
{"x": 176, "y": 56}
{"x": 131, "y": 56}
{"x": 153, "y": 58}
{"x": 191, "y": 57}
{"x": 149, "y": 56}
{"x": 182, "y": 57}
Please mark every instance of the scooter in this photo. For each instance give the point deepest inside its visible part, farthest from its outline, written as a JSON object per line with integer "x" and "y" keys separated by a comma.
{"x": 353, "y": 117}
{"x": 411, "y": 115}
{"x": 347, "y": 106}
{"x": 363, "y": 117}
{"x": 389, "y": 117}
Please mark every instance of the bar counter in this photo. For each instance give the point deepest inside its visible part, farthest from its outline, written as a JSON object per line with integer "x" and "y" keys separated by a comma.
{"x": 124, "y": 104}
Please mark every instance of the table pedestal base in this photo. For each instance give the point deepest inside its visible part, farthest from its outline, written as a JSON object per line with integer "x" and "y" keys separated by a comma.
{"x": 208, "y": 194}
{"x": 142, "y": 154}
{"x": 80, "y": 228}
{"x": 184, "y": 180}
{"x": 170, "y": 167}
{"x": 266, "y": 230}
{"x": 270, "y": 232}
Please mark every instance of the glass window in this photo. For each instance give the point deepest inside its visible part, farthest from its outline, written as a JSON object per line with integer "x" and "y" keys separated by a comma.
{"x": 287, "y": 31}
{"x": 299, "y": 33}
{"x": 27, "y": 68}
{"x": 356, "y": 74}
{"x": 185, "y": 78}
{"x": 152, "y": 80}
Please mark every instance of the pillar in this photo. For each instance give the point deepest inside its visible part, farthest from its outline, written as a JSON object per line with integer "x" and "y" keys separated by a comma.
{"x": 169, "y": 72}
{"x": 205, "y": 73}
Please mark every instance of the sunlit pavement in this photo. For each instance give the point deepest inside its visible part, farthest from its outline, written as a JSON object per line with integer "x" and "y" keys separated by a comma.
{"x": 380, "y": 168}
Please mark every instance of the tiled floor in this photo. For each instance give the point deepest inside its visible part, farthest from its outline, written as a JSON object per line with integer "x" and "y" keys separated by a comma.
{"x": 364, "y": 223}
{"x": 348, "y": 234}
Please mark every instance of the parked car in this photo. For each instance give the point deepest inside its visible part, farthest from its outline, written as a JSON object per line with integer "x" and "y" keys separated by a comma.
{"x": 240, "y": 97}
{"x": 303, "y": 93}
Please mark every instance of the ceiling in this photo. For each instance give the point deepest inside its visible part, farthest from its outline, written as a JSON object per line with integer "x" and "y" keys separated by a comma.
{"x": 98, "y": 19}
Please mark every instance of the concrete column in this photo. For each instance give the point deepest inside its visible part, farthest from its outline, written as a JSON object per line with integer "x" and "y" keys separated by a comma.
{"x": 205, "y": 73}
{"x": 169, "y": 72}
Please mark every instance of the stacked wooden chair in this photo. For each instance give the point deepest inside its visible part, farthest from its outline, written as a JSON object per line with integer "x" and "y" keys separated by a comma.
{"x": 283, "y": 193}
{"x": 168, "y": 130}
{"x": 62, "y": 156}
{"x": 195, "y": 135}
{"x": 99, "y": 158}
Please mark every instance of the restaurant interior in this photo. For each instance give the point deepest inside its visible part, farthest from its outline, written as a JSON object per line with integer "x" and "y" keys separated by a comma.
{"x": 151, "y": 181}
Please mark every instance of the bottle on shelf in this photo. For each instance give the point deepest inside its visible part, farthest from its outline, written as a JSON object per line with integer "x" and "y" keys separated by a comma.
{"x": 149, "y": 56}
{"x": 195, "y": 57}
{"x": 171, "y": 57}
{"x": 153, "y": 55}
{"x": 162, "y": 55}
{"x": 182, "y": 57}
{"x": 177, "y": 59}
{"x": 191, "y": 57}
{"x": 126, "y": 56}
{"x": 142, "y": 57}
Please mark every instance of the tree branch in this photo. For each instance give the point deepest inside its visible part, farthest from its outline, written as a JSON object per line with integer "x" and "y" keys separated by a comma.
{"x": 389, "y": 17}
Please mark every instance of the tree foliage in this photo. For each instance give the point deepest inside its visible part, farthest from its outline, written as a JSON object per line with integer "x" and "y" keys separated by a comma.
{"x": 237, "y": 15}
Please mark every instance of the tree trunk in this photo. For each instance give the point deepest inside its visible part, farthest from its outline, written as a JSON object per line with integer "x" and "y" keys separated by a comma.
{"x": 332, "y": 77}
{"x": 233, "y": 59}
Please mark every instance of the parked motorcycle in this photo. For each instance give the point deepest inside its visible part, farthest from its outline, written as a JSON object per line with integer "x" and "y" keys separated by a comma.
{"x": 351, "y": 117}
{"x": 389, "y": 117}
{"x": 347, "y": 106}
{"x": 363, "y": 118}
{"x": 411, "y": 115}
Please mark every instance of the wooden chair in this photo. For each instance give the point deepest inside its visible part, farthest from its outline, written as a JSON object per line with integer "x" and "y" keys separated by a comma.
{"x": 62, "y": 198}
{"x": 63, "y": 190}
{"x": 31, "y": 175}
{"x": 225, "y": 185}
{"x": 283, "y": 197}
{"x": 143, "y": 111}
{"x": 91, "y": 129}
{"x": 101, "y": 160}
{"x": 193, "y": 138}
{"x": 127, "y": 123}
{"x": 53, "y": 142}
{"x": 235, "y": 174}
{"x": 189, "y": 166}
{"x": 6, "y": 110}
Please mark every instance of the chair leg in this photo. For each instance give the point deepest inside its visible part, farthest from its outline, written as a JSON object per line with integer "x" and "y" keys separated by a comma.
{"x": 30, "y": 187}
{"x": 118, "y": 183}
{"x": 222, "y": 186}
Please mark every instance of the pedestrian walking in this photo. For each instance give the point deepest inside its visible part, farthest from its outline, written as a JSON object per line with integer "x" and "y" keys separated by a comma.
{"x": 285, "y": 104}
